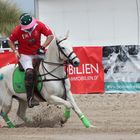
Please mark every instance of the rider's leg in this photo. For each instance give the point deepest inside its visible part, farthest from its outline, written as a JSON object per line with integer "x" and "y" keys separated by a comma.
{"x": 26, "y": 61}
{"x": 36, "y": 64}
{"x": 20, "y": 66}
{"x": 29, "y": 85}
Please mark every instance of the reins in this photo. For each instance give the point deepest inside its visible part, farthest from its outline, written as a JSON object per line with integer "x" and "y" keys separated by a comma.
{"x": 46, "y": 72}
{"x": 65, "y": 64}
{"x": 56, "y": 78}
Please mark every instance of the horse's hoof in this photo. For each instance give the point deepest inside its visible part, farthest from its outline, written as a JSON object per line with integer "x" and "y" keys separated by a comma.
{"x": 62, "y": 122}
{"x": 92, "y": 126}
{"x": 28, "y": 121}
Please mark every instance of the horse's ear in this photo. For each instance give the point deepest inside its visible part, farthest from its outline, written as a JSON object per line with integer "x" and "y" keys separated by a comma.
{"x": 62, "y": 38}
{"x": 67, "y": 34}
{"x": 56, "y": 37}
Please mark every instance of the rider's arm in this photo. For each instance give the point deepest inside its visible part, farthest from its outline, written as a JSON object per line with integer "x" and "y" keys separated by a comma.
{"x": 48, "y": 41}
{"x": 12, "y": 38}
{"x": 13, "y": 47}
{"x": 46, "y": 31}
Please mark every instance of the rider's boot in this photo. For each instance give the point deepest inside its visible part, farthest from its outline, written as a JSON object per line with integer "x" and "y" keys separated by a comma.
{"x": 29, "y": 85}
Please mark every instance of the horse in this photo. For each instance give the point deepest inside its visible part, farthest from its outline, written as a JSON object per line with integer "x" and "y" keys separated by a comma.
{"x": 56, "y": 84}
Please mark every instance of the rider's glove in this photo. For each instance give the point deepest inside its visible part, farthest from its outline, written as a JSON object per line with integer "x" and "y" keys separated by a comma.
{"x": 41, "y": 51}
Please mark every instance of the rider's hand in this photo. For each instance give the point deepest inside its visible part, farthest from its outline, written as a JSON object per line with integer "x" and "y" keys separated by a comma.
{"x": 17, "y": 54}
{"x": 41, "y": 51}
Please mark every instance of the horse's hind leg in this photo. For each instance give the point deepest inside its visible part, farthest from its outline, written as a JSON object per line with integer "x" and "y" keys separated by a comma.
{"x": 21, "y": 112}
{"x": 6, "y": 107}
{"x": 6, "y": 103}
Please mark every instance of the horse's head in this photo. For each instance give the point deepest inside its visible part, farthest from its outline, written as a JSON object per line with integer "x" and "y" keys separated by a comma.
{"x": 66, "y": 52}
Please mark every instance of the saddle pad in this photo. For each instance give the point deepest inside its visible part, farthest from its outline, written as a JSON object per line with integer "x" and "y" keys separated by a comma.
{"x": 19, "y": 83}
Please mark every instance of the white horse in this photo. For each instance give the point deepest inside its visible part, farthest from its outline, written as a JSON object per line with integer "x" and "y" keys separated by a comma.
{"x": 56, "y": 84}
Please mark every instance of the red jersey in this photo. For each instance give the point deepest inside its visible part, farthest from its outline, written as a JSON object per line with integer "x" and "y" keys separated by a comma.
{"x": 29, "y": 43}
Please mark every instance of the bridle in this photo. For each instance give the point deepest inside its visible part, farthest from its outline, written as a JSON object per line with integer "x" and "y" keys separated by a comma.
{"x": 61, "y": 50}
{"x": 58, "y": 65}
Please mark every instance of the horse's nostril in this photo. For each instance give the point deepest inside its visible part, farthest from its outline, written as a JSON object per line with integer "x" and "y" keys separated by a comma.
{"x": 76, "y": 63}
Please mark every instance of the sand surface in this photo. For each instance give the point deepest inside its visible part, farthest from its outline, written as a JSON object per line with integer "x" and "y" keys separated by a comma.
{"x": 116, "y": 117}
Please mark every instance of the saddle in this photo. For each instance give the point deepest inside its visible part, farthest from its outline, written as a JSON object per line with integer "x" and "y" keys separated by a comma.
{"x": 19, "y": 80}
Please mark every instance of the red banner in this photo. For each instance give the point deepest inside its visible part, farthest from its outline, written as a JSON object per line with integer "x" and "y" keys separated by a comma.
{"x": 7, "y": 58}
{"x": 89, "y": 76}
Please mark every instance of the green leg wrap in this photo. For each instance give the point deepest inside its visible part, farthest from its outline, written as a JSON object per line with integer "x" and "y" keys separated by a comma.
{"x": 7, "y": 120}
{"x": 85, "y": 121}
{"x": 67, "y": 114}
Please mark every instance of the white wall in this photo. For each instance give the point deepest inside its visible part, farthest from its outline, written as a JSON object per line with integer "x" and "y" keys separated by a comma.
{"x": 93, "y": 22}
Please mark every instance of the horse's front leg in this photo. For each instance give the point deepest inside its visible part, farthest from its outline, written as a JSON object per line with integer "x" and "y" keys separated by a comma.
{"x": 59, "y": 101}
{"x": 52, "y": 99}
{"x": 84, "y": 120}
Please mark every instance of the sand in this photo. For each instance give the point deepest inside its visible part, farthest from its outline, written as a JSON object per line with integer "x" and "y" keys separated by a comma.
{"x": 115, "y": 117}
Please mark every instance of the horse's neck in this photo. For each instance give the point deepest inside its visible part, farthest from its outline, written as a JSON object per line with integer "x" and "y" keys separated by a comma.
{"x": 52, "y": 56}
{"x": 52, "y": 53}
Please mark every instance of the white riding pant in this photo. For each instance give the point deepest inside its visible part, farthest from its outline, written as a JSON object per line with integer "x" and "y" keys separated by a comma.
{"x": 26, "y": 61}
